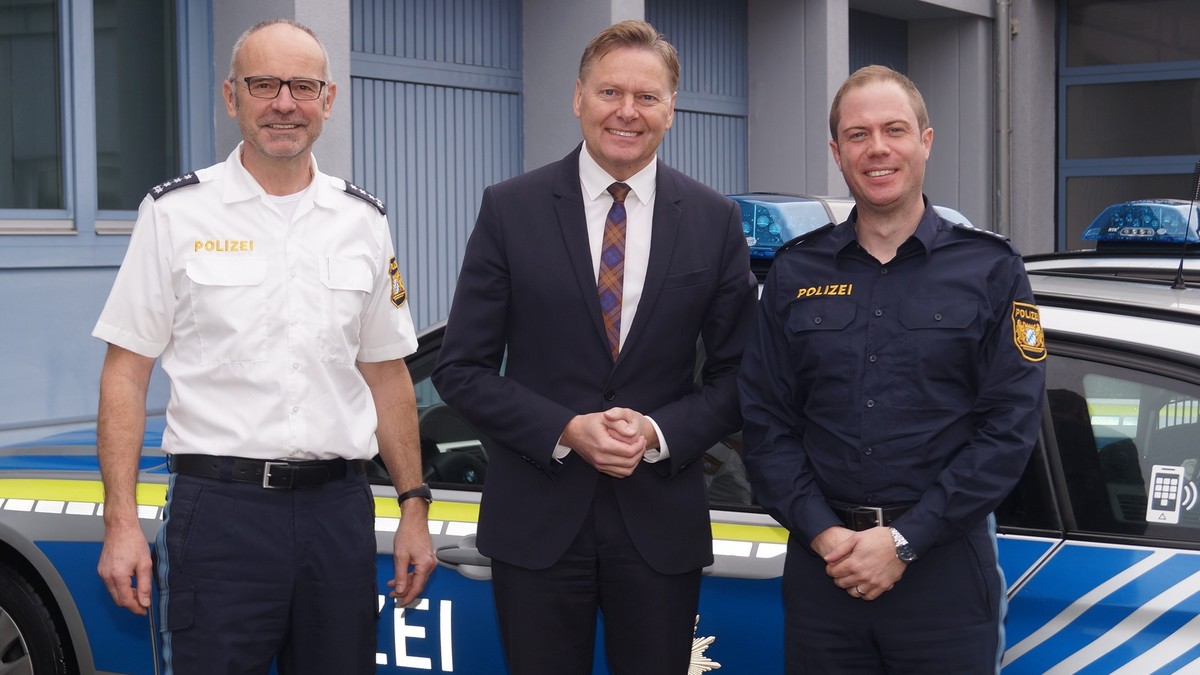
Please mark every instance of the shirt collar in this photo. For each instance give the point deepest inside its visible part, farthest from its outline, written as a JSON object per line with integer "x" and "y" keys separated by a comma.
{"x": 241, "y": 185}
{"x": 595, "y": 181}
{"x": 925, "y": 234}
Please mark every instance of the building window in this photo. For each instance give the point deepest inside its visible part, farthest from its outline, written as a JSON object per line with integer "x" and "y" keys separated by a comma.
{"x": 1129, "y": 92}
{"x": 137, "y": 143}
{"x": 30, "y": 116}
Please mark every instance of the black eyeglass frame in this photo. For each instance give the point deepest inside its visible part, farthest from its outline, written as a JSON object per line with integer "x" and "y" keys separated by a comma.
{"x": 282, "y": 82}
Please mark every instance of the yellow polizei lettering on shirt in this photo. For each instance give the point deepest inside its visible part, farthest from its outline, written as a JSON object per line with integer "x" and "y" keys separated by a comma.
{"x": 224, "y": 245}
{"x": 827, "y": 289}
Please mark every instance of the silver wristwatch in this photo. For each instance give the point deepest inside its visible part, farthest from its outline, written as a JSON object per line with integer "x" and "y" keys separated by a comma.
{"x": 904, "y": 550}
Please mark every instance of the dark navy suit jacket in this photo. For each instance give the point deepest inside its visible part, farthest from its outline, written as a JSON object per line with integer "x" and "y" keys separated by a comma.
{"x": 526, "y": 297}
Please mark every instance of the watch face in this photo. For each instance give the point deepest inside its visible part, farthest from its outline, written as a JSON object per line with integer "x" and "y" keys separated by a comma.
{"x": 905, "y": 553}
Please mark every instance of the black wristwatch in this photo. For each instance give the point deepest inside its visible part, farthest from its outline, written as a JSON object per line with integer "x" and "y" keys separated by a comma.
{"x": 904, "y": 550}
{"x": 422, "y": 491}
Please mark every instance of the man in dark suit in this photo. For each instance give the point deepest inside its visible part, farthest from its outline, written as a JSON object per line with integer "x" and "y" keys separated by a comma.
{"x": 592, "y": 278}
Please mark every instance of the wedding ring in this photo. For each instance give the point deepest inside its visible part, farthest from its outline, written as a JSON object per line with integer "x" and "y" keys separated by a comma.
{"x": 858, "y": 590}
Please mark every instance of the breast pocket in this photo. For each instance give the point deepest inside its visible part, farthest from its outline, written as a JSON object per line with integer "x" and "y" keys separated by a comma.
{"x": 228, "y": 300}
{"x": 346, "y": 286}
{"x": 820, "y": 349}
{"x": 941, "y": 344}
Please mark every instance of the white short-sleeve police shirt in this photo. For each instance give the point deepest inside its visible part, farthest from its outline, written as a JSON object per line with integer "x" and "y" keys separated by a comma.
{"x": 258, "y": 319}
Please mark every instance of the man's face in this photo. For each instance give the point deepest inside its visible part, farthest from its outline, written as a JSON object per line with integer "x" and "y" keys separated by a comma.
{"x": 880, "y": 149}
{"x": 282, "y": 127}
{"x": 624, "y": 106}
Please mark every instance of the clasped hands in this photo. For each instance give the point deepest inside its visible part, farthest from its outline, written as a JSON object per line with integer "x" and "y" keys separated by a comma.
{"x": 612, "y": 441}
{"x": 864, "y": 564}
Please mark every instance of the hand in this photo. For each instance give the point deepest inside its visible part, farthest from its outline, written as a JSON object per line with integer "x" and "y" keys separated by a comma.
{"x": 613, "y": 446}
{"x": 125, "y": 567}
{"x": 626, "y": 425}
{"x": 412, "y": 553}
{"x": 864, "y": 564}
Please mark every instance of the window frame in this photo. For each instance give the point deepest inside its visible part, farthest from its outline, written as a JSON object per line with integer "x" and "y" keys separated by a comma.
{"x": 80, "y": 234}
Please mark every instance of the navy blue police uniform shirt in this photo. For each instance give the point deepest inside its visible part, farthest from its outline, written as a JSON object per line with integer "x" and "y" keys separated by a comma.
{"x": 915, "y": 381}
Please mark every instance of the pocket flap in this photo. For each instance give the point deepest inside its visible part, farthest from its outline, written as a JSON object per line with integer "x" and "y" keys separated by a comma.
{"x": 806, "y": 315}
{"x": 345, "y": 274}
{"x": 212, "y": 271}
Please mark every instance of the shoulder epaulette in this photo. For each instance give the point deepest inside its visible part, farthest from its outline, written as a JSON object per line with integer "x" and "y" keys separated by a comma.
{"x": 807, "y": 236}
{"x": 174, "y": 184}
{"x": 963, "y": 227}
{"x": 354, "y": 190}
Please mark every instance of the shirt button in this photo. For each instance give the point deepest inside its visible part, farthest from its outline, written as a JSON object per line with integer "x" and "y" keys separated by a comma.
{"x": 937, "y": 317}
{"x": 295, "y": 366}
{"x": 872, "y": 358}
{"x": 879, "y": 312}
{"x": 817, "y": 320}
{"x": 883, "y": 270}
{"x": 870, "y": 403}
{"x": 295, "y": 409}
{"x": 868, "y": 451}
{"x": 609, "y": 394}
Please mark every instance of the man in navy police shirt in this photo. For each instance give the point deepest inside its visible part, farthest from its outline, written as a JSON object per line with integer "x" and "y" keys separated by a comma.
{"x": 891, "y": 399}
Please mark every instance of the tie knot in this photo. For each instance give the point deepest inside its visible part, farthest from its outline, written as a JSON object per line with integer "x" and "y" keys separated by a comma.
{"x": 618, "y": 191}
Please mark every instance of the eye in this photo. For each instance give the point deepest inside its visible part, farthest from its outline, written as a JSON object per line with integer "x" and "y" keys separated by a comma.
{"x": 648, "y": 98}
{"x": 608, "y": 93}
{"x": 306, "y": 86}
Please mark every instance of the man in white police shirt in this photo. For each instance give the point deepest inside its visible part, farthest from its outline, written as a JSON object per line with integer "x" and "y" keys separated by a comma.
{"x": 891, "y": 399}
{"x": 271, "y": 292}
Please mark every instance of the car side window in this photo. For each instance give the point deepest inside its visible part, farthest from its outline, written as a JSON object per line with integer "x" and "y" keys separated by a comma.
{"x": 452, "y": 454}
{"x": 1129, "y": 442}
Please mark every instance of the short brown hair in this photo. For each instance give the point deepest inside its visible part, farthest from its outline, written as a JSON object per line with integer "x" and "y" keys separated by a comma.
{"x": 868, "y": 74}
{"x": 630, "y": 33}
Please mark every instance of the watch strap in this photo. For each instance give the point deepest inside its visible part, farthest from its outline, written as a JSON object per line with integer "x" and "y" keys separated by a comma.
{"x": 421, "y": 491}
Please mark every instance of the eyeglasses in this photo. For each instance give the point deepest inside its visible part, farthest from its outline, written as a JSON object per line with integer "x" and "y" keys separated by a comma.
{"x": 301, "y": 88}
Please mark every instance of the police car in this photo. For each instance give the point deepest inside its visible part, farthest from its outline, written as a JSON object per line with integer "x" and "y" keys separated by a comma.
{"x": 1099, "y": 543}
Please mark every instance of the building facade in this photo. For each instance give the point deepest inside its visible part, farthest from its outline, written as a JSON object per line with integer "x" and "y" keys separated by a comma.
{"x": 1039, "y": 109}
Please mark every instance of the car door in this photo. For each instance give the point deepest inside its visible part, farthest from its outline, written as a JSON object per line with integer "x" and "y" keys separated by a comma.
{"x": 1099, "y": 542}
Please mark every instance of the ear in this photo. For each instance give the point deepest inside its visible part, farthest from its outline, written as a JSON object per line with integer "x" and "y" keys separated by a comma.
{"x": 328, "y": 107}
{"x": 927, "y": 140}
{"x": 230, "y": 95}
{"x": 671, "y": 110}
{"x": 577, "y": 100}
{"x": 837, "y": 155}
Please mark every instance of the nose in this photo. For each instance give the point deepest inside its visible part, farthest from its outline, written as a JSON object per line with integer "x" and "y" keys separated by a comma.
{"x": 876, "y": 145}
{"x": 283, "y": 101}
{"x": 628, "y": 109}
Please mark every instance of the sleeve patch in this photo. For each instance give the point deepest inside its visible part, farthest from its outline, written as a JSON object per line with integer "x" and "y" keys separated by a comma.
{"x": 399, "y": 295}
{"x": 355, "y": 191}
{"x": 174, "y": 184}
{"x": 1027, "y": 331}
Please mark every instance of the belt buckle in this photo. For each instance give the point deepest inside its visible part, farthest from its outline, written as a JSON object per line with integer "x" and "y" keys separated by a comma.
{"x": 266, "y": 481}
{"x": 875, "y": 511}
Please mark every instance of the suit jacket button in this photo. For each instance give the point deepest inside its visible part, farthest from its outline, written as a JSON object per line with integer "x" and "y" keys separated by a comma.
{"x": 609, "y": 394}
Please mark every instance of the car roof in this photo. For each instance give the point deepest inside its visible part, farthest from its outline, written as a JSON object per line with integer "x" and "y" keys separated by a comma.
{"x": 1129, "y": 299}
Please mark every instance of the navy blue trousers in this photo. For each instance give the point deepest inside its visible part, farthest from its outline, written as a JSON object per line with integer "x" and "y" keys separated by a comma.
{"x": 548, "y": 617}
{"x": 944, "y": 615}
{"x": 249, "y": 576}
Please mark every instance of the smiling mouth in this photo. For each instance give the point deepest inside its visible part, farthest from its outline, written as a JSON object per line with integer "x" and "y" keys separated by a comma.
{"x": 624, "y": 134}
{"x": 880, "y": 173}
{"x": 283, "y": 127}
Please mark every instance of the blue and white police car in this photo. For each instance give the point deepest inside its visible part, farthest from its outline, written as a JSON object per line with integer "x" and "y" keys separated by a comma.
{"x": 1100, "y": 542}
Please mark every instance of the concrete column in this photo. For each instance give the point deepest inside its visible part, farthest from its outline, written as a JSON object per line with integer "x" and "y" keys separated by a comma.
{"x": 799, "y": 56}
{"x": 331, "y": 22}
{"x": 1033, "y": 115}
{"x": 950, "y": 61}
{"x": 554, "y": 35}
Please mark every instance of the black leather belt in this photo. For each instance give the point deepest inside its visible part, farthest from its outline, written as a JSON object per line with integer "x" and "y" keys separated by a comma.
{"x": 859, "y": 518}
{"x": 269, "y": 474}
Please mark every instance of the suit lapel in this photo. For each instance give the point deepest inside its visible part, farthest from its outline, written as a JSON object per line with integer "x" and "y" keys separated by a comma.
{"x": 664, "y": 233}
{"x": 568, "y": 204}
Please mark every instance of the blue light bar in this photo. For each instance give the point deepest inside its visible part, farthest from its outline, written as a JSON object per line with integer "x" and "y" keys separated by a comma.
{"x": 1159, "y": 221}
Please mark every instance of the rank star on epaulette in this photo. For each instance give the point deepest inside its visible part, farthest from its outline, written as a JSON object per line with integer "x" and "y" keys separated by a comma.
{"x": 352, "y": 189}
{"x": 175, "y": 183}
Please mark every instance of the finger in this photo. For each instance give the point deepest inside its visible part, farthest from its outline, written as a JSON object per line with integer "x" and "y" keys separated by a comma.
{"x": 143, "y": 584}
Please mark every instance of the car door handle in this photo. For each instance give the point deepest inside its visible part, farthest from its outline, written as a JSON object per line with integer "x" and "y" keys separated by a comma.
{"x": 465, "y": 559}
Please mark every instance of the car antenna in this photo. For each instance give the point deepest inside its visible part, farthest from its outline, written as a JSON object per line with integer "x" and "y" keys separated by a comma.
{"x": 1180, "y": 284}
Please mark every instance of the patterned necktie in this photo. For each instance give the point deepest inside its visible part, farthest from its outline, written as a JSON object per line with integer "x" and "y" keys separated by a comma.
{"x": 611, "y": 280}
